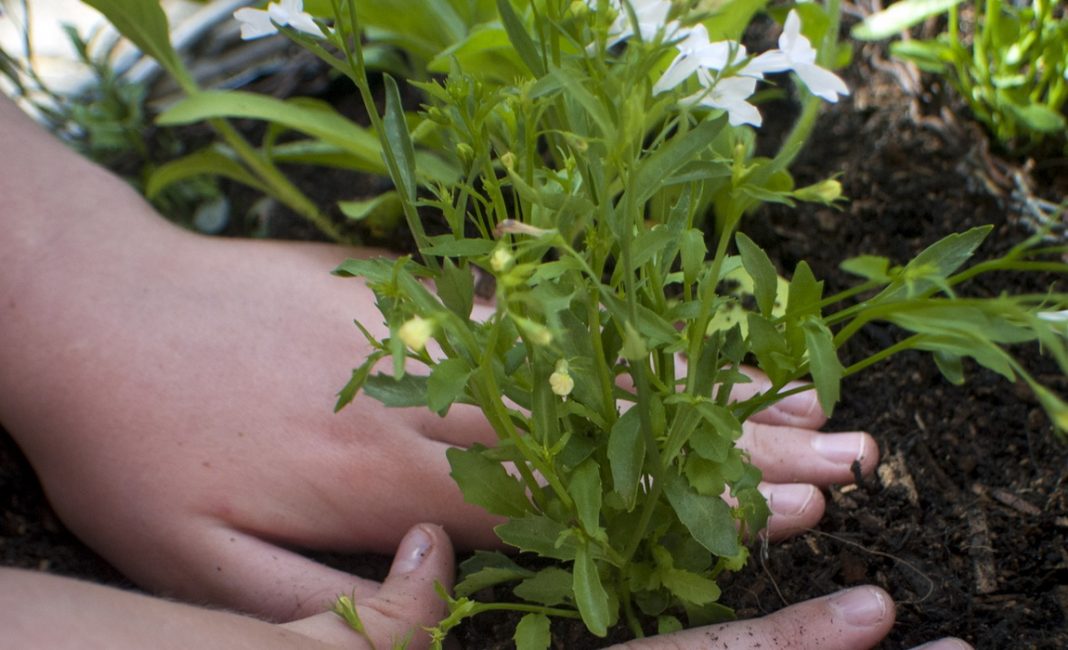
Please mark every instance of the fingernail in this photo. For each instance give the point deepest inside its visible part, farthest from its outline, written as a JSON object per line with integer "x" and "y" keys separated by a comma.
{"x": 790, "y": 500}
{"x": 945, "y": 644}
{"x": 862, "y": 607}
{"x": 839, "y": 447}
{"x": 412, "y": 551}
{"x": 800, "y": 404}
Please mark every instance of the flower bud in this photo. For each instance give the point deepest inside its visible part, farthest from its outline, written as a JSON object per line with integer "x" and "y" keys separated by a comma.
{"x": 501, "y": 260}
{"x": 416, "y": 332}
{"x": 508, "y": 160}
{"x": 465, "y": 153}
{"x": 826, "y": 192}
{"x": 561, "y": 381}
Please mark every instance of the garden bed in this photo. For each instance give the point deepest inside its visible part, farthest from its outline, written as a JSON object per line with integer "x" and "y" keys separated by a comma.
{"x": 966, "y": 522}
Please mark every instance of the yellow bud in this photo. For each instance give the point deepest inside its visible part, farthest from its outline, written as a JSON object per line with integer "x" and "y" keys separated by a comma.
{"x": 501, "y": 260}
{"x": 826, "y": 192}
{"x": 416, "y": 332}
{"x": 561, "y": 381}
{"x": 508, "y": 160}
{"x": 540, "y": 335}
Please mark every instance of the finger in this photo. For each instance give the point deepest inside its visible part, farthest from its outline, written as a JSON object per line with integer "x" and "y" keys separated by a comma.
{"x": 240, "y": 571}
{"x": 407, "y": 601}
{"x": 798, "y": 410}
{"x": 949, "y": 643}
{"x": 853, "y": 619}
{"x": 798, "y": 455}
{"x": 795, "y": 507}
{"x": 463, "y": 426}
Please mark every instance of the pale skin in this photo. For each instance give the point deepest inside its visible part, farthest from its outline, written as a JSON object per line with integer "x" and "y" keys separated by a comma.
{"x": 174, "y": 393}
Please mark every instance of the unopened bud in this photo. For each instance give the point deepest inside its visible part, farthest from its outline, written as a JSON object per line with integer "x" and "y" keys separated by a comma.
{"x": 826, "y": 192}
{"x": 513, "y": 227}
{"x": 416, "y": 332}
{"x": 501, "y": 260}
{"x": 465, "y": 153}
{"x": 561, "y": 381}
{"x": 508, "y": 160}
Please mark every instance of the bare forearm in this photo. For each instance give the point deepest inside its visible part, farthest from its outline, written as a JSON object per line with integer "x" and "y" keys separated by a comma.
{"x": 41, "y": 611}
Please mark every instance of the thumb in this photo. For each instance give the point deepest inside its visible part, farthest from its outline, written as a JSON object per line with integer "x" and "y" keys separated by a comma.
{"x": 407, "y": 601}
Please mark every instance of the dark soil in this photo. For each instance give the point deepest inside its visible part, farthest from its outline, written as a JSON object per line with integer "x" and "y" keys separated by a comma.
{"x": 966, "y": 522}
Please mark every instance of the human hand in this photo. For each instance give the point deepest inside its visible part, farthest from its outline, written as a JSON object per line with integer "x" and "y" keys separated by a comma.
{"x": 44, "y": 611}
{"x": 175, "y": 397}
{"x": 852, "y": 619}
{"x": 38, "y": 610}
{"x": 200, "y": 445}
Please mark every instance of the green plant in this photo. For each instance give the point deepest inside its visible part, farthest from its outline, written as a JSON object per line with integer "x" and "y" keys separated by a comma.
{"x": 1007, "y": 59}
{"x": 585, "y": 143}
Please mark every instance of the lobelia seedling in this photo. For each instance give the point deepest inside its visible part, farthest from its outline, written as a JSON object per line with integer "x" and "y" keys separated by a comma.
{"x": 574, "y": 151}
{"x": 1007, "y": 60}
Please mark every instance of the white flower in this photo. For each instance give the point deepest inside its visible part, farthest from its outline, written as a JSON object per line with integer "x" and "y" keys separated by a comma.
{"x": 1054, "y": 316}
{"x": 416, "y": 332}
{"x": 796, "y": 53}
{"x": 696, "y": 52}
{"x": 729, "y": 94}
{"x": 256, "y": 23}
{"x": 652, "y": 19}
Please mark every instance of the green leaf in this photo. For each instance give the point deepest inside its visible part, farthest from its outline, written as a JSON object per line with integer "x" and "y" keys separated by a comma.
{"x": 823, "y": 363}
{"x": 446, "y": 384}
{"x": 486, "y": 483}
{"x": 356, "y": 382}
{"x": 869, "y": 267}
{"x": 145, "y": 24}
{"x": 550, "y": 586}
{"x": 936, "y": 262}
{"x": 205, "y": 162}
{"x": 399, "y": 140}
{"x": 590, "y": 596}
{"x": 397, "y": 393}
{"x": 456, "y": 288}
{"x": 692, "y": 250}
{"x": 805, "y": 292}
{"x": 448, "y": 246}
{"x": 626, "y": 454}
{"x": 707, "y": 518}
{"x": 759, "y": 266}
{"x": 520, "y": 39}
{"x": 585, "y": 489}
{"x": 769, "y": 346}
{"x": 657, "y": 169}
{"x": 1037, "y": 117}
{"x": 487, "y": 569}
{"x": 900, "y": 16}
{"x": 317, "y": 119}
{"x": 532, "y": 632}
{"x": 537, "y": 534}
{"x": 386, "y": 204}
{"x": 691, "y": 587}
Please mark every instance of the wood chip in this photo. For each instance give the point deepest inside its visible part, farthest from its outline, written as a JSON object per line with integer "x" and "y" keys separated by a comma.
{"x": 1007, "y": 498}
{"x": 894, "y": 473}
{"x": 982, "y": 551}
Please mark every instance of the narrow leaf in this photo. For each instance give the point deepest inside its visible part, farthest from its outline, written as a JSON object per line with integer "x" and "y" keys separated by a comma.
{"x": 590, "y": 596}
{"x": 520, "y": 39}
{"x": 399, "y": 140}
{"x": 759, "y": 266}
{"x": 823, "y": 363}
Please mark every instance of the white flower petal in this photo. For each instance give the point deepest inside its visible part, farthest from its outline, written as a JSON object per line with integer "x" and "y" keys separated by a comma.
{"x": 305, "y": 23}
{"x": 797, "y": 48}
{"x": 679, "y": 71}
{"x": 822, "y": 83}
{"x": 255, "y": 23}
{"x": 770, "y": 61}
